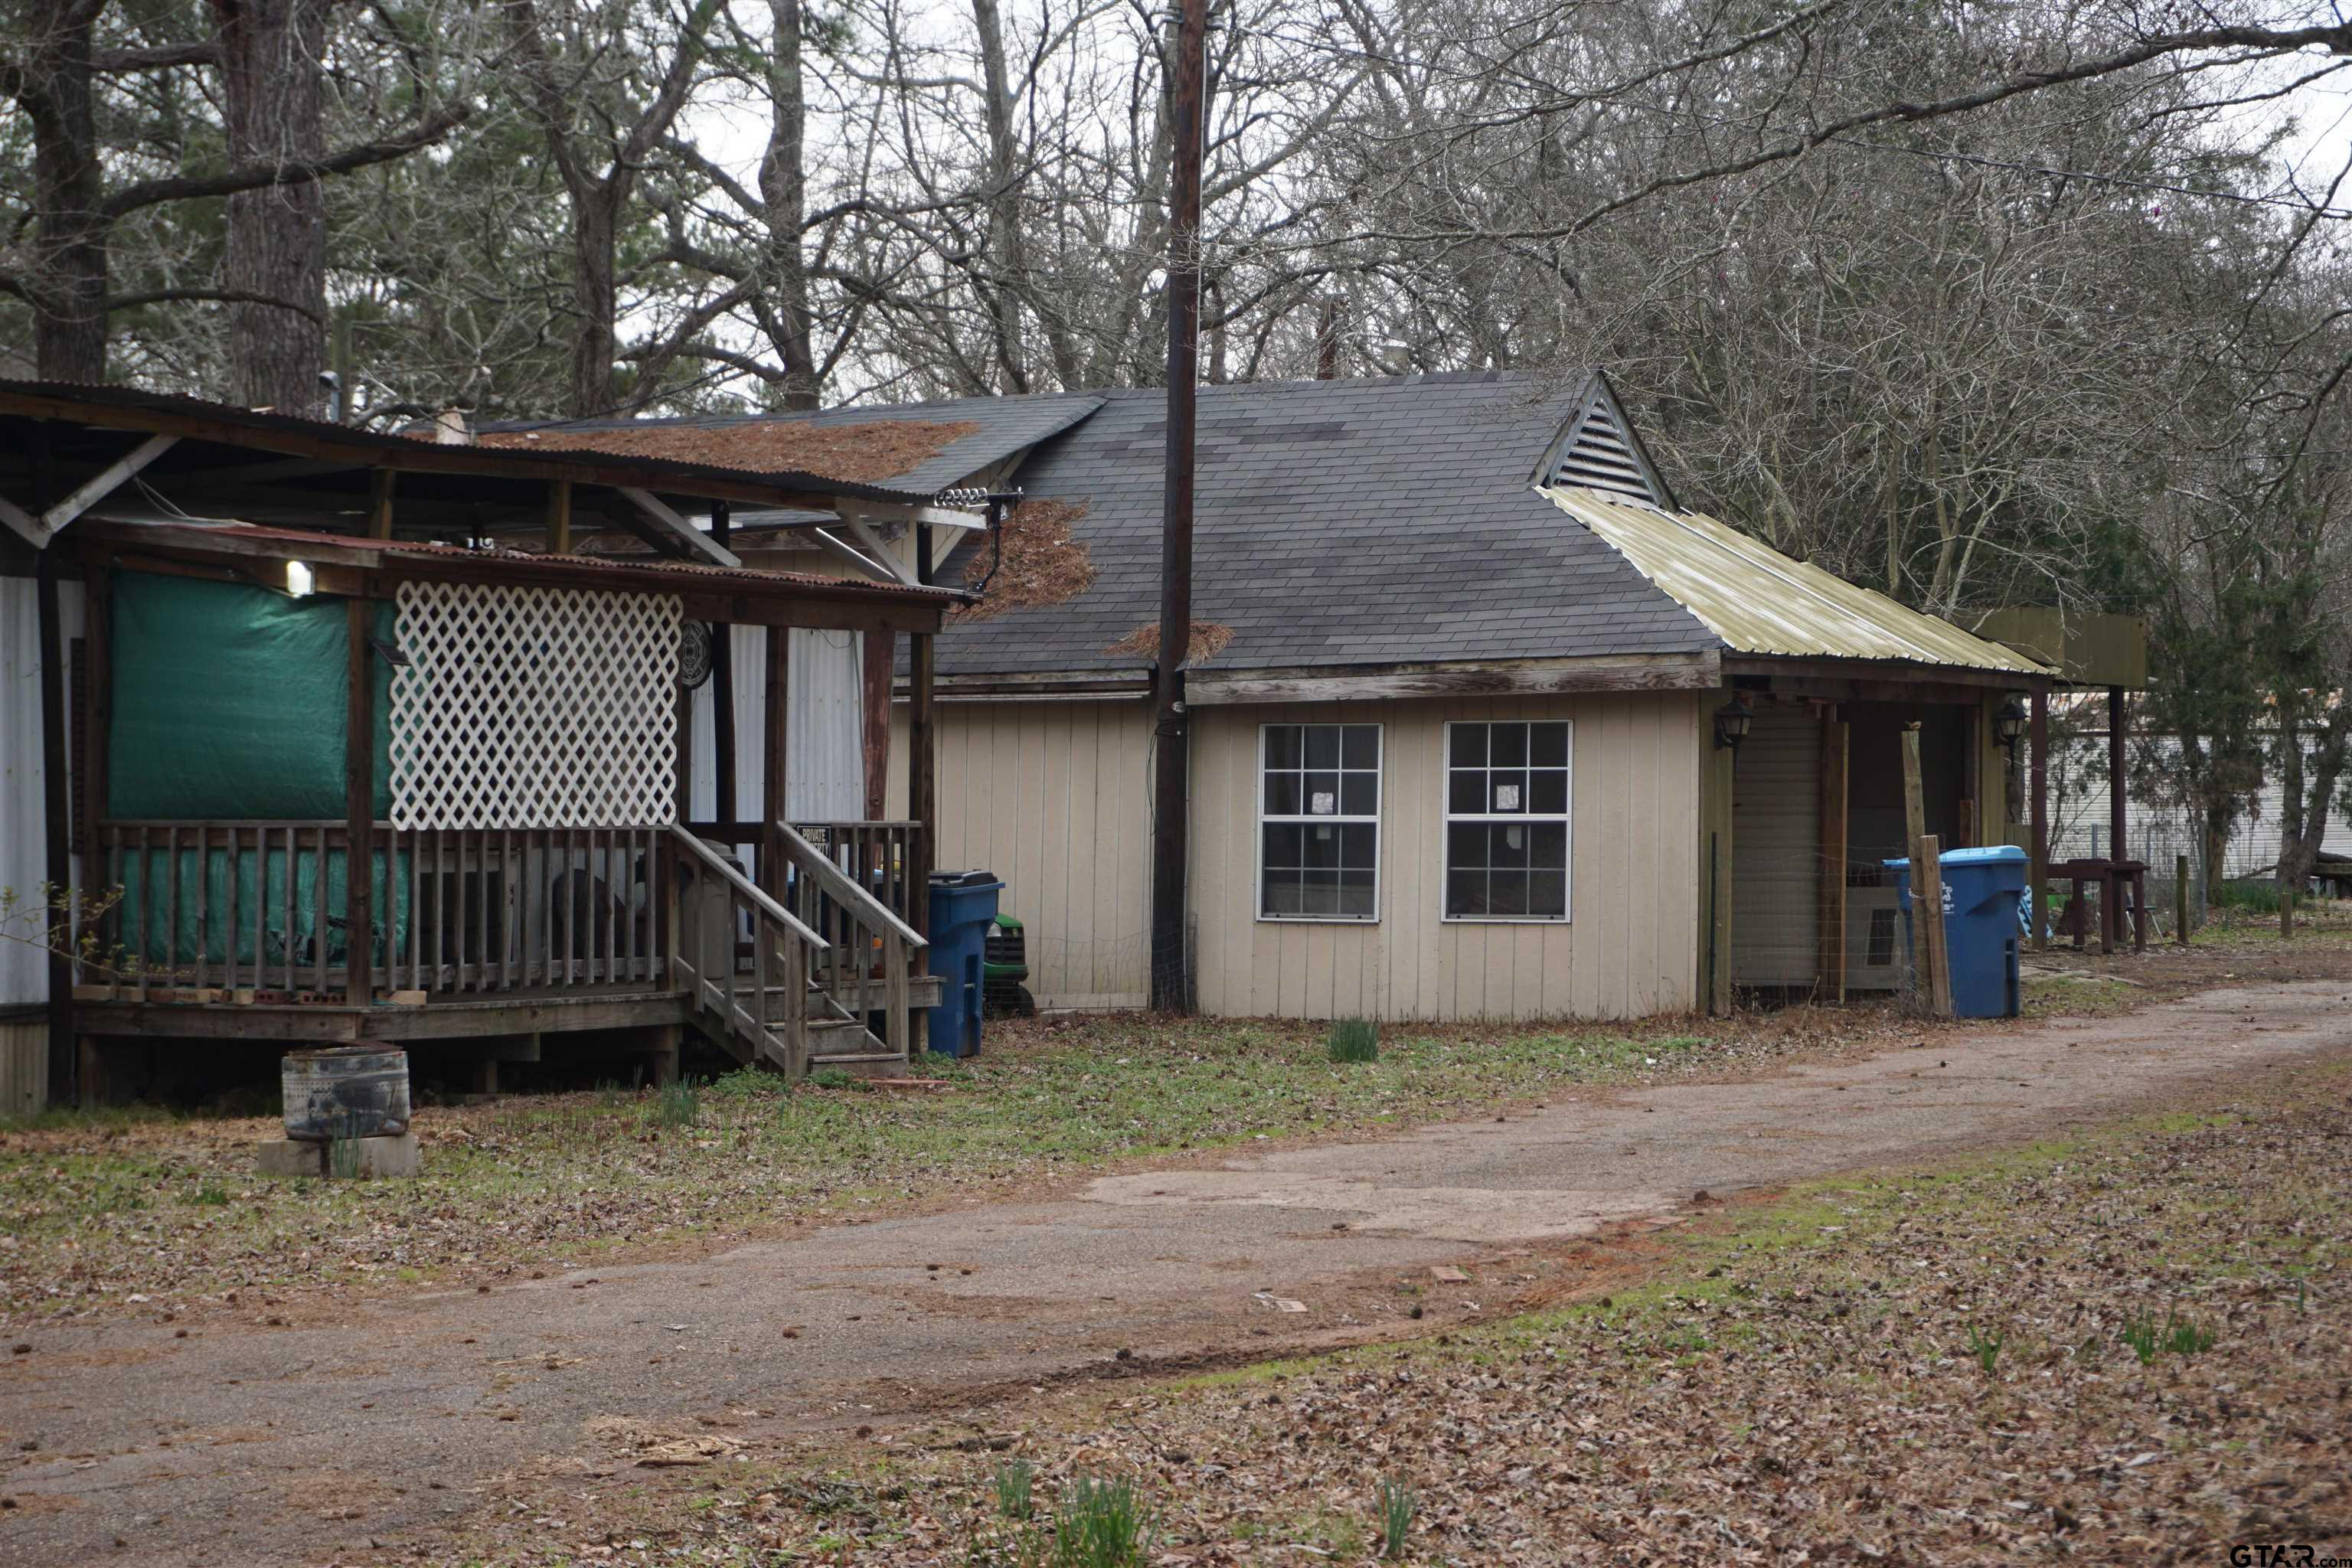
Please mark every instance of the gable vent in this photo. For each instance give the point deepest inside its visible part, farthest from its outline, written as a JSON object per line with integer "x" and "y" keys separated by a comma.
{"x": 1599, "y": 457}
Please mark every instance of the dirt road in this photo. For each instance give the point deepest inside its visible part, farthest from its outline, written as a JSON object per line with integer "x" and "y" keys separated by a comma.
{"x": 306, "y": 1441}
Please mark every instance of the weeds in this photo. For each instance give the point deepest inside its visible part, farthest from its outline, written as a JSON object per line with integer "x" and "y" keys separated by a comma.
{"x": 743, "y": 1083}
{"x": 2177, "y": 1334}
{"x": 1013, "y": 1500}
{"x": 1986, "y": 1344}
{"x": 678, "y": 1104}
{"x": 1101, "y": 1526}
{"x": 831, "y": 1078}
{"x": 1397, "y": 1506}
{"x": 1353, "y": 1040}
{"x": 2255, "y": 896}
{"x": 211, "y": 1194}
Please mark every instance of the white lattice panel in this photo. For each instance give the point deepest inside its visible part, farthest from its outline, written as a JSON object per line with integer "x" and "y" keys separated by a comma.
{"x": 534, "y": 708}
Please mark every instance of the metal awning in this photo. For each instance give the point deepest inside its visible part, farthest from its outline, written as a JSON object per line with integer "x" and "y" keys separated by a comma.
{"x": 1759, "y": 601}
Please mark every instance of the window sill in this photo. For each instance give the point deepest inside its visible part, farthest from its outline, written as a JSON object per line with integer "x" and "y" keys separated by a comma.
{"x": 1318, "y": 919}
{"x": 1506, "y": 920}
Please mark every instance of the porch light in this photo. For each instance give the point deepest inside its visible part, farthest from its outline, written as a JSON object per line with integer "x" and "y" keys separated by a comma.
{"x": 299, "y": 582}
{"x": 2009, "y": 723}
{"x": 1731, "y": 723}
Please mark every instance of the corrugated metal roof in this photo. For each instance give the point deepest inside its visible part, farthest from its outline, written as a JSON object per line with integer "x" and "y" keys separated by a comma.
{"x": 1759, "y": 601}
{"x": 586, "y": 567}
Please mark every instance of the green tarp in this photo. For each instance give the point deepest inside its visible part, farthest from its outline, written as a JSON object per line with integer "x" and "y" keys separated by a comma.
{"x": 145, "y": 938}
{"x": 229, "y": 703}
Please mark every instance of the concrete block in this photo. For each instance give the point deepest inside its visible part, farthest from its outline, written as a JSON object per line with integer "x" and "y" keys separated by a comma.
{"x": 374, "y": 1159}
{"x": 386, "y": 1158}
{"x": 291, "y": 1157}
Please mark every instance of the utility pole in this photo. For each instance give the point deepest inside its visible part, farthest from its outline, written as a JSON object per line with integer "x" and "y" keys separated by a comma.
{"x": 1171, "y": 825}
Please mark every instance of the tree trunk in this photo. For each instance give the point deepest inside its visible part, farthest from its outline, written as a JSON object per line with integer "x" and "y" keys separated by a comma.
{"x": 273, "y": 97}
{"x": 597, "y": 297}
{"x": 2307, "y": 789}
{"x": 783, "y": 186}
{"x": 1007, "y": 247}
{"x": 67, "y": 278}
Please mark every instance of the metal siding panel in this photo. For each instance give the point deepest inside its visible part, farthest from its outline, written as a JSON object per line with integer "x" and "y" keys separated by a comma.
{"x": 24, "y": 1066}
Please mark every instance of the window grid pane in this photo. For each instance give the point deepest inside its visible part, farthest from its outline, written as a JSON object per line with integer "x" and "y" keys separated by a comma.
{"x": 1318, "y": 804}
{"x": 1507, "y": 808}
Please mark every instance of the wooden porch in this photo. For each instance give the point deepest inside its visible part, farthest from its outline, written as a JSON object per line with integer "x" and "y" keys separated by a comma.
{"x": 797, "y": 946}
{"x": 810, "y": 955}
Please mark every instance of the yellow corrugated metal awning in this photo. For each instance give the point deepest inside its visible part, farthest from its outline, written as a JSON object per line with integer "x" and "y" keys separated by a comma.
{"x": 1759, "y": 601}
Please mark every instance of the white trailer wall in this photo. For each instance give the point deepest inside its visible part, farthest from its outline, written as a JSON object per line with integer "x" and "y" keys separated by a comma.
{"x": 24, "y": 839}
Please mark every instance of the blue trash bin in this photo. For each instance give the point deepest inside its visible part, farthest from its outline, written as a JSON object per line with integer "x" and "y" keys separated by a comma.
{"x": 963, "y": 904}
{"x": 1982, "y": 888}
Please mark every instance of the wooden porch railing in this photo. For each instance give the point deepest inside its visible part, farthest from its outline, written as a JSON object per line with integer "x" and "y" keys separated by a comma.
{"x": 458, "y": 915}
{"x": 835, "y": 893}
{"x": 764, "y": 1003}
{"x": 259, "y": 905}
{"x": 885, "y": 857}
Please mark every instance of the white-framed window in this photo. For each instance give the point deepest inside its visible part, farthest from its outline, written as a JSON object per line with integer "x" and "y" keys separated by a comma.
{"x": 1319, "y": 832}
{"x": 1507, "y": 809}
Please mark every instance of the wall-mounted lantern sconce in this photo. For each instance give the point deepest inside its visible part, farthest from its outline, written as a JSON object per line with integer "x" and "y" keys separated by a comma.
{"x": 299, "y": 581}
{"x": 1731, "y": 723}
{"x": 2010, "y": 723}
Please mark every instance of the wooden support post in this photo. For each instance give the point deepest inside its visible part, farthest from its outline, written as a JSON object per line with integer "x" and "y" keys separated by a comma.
{"x": 2286, "y": 911}
{"x": 93, "y": 1091}
{"x": 881, "y": 653}
{"x": 722, "y": 691}
{"x": 559, "y": 517}
{"x": 1928, "y": 881}
{"x": 2111, "y": 902}
{"x": 665, "y": 1055}
{"x": 775, "y": 789}
{"x": 1830, "y": 982}
{"x": 2181, "y": 900}
{"x": 2039, "y": 849}
{"x": 359, "y": 808}
{"x": 922, "y": 779}
{"x": 98, "y": 616}
{"x": 379, "y": 486}
{"x": 1928, "y": 957}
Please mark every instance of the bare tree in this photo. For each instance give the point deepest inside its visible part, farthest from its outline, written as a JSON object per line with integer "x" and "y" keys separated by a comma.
{"x": 603, "y": 103}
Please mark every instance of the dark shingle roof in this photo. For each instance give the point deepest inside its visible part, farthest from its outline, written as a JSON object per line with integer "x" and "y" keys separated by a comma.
{"x": 1375, "y": 522}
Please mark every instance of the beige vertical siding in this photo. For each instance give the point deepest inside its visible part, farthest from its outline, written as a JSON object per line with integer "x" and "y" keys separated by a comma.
{"x": 1052, "y": 796}
{"x": 1629, "y": 948}
{"x": 24, "y": 1066}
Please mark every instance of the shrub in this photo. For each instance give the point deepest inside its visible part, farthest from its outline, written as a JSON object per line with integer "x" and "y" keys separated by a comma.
{"x": 1353, "y": 1040}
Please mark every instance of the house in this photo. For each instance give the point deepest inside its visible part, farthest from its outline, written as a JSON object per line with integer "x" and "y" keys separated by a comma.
{"x": 1483, "y": 724}
{"x": 1464, "y": 681}
{"x": 345, "y": 735}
